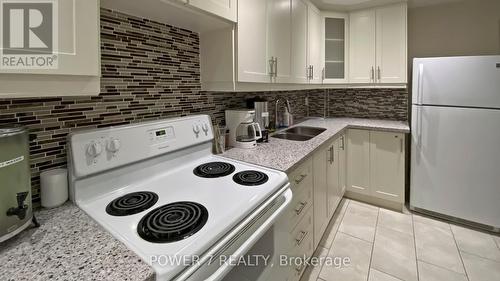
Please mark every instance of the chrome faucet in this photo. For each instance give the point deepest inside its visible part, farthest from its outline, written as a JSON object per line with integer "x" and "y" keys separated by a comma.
{"x": 288, "y": 109}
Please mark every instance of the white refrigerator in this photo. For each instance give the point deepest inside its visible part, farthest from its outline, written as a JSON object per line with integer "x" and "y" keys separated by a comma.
{"x": 455, "y": 138}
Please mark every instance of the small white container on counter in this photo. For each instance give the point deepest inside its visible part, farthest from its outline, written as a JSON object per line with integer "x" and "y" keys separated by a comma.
{"x": 54, "y": 187}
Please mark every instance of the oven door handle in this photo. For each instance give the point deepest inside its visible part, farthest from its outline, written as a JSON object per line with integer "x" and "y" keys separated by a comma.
{"x": 222, "y": 271}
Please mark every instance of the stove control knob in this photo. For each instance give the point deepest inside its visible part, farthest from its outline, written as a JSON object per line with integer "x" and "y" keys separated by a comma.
{"x": 94, "y": 149}
{"x": 205, "y": 128}
{"x": 113, "y": 145}
{"x": 196, "y": 129}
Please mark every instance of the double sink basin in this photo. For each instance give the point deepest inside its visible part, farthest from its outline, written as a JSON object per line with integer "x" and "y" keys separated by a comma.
{"x": 299, "y": 133}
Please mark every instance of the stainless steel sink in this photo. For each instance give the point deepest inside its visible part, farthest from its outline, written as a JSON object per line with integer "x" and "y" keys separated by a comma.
{"x": 293, "y": 137}
{"x": 306, "y": 131}
{"x": 299, "y": 133}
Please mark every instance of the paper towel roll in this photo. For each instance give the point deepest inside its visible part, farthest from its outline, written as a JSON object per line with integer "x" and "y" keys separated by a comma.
{"x": 54, "y": 187}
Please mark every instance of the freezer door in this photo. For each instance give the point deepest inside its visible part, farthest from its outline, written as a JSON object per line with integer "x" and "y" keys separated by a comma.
{"x": 457, "y": 81}
{"x": 455, "y": 162}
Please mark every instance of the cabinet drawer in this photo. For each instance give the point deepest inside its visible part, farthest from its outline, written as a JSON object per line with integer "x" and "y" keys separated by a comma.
{"x": 302, "y": 176}
{"x": 301, "y": 202}
{"x": 301, "y": 233}
{"x": 302, "y": 251}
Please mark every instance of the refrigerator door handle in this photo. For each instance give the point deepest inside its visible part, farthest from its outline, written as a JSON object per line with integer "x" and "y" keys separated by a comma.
{"x": 420, "y": 81}
{"x": 419, "y": 126}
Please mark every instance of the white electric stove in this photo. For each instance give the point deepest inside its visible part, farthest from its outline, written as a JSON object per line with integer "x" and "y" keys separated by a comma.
{"x": 158, "y": 188}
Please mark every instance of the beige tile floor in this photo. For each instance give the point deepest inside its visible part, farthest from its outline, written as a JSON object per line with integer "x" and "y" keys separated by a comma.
{"x": 384, "y": 245}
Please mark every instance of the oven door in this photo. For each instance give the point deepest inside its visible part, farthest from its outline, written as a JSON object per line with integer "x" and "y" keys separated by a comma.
{"x": 257, "y": 235}
{"x": 262, "y": 261}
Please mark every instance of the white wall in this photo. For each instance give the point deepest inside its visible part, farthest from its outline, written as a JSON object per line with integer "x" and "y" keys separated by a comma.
{"x": 469, "y": 27}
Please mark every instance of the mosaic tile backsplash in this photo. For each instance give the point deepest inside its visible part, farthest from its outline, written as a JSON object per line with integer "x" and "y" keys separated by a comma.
{"x": 151, "y": 71}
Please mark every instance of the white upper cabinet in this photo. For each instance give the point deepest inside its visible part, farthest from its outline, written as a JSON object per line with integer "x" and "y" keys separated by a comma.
{"x": 391, "y": 44}
{"x": 223, "y": 8}
{"x": 335, "y": 46}
{"x": 314, "y": 44}
{"x": 279, "y": 39}
{"x": 299, "y": 41}
{"x": 62, "y": 60}
{"x": 253, "y": 61}
{"x": 288, "y": 44}
{"x": 70, "y": 47}
{"x": 362, "y": 47}
{"x": 378, "y": 45}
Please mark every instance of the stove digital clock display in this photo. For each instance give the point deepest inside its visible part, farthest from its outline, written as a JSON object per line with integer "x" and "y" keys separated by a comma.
{"x": 161, "y": 133}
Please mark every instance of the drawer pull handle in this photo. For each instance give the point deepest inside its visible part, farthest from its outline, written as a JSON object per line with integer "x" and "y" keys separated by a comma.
{"x": 299, "y": 267}
{"x": 303, "y": 235}
{"x": 299, "y": 210}
{"x": 302, "y": 177}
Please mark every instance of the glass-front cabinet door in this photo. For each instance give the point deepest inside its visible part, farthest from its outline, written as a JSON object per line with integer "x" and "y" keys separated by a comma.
{"x": 335, "y": 48}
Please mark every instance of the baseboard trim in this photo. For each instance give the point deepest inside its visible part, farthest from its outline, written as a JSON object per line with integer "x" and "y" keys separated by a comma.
{"x": 396, "y": 206}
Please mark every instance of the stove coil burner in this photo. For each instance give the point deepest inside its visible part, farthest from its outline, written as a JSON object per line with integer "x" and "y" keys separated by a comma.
{"x": 250, "y": 178}
{"x": 214, "y": 170}
{"x": 172, "y": 222}
{"x": 132, "y": 203}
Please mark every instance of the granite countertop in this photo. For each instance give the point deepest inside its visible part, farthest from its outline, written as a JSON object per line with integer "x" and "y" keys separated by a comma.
{"x": 69, "y": 245}
{"x": 285, "y": 155}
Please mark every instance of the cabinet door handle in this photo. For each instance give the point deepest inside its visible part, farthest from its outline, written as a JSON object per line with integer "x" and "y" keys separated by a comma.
{"x": 379, "y": 73}
{"x": 299, "y": 267}
{"x": 312, "y": 72}
{"x": 343, "y": 144}
{"x": 275, "y": 67}
{"x": 331, "y": 154}
{"x": 303, "y": 235}
{"x": 301, "y": 208}
{"x": 302, "y": 177}
{"x": 372, "y": 73}
{"x": 271, "y": 67}
{"x": 323, "y": 74}
{"x": 401, "y": 145}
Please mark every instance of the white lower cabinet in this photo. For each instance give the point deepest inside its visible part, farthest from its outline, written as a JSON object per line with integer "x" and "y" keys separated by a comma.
{"x": 369, "y": 163}
{"x": 376, "y": 165}
{"x": 332, "y": 179}
{"x": 342, "y": 164}
{"x": 320, "y": 186}
{"x": 301, "y": 218}
{"x": 302, "y": 188}
{"x": 328, "y": 169}
{"x": 302, "y": 245}
{"x": 358, "y": 162}
{"x": 387, "y": 166}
